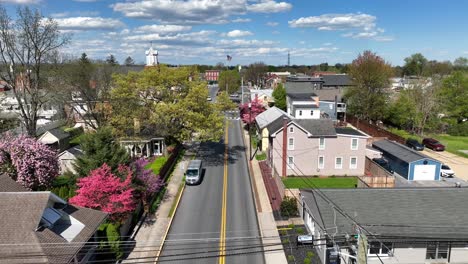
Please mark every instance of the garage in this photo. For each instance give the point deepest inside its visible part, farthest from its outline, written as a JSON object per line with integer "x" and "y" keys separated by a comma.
{"x": 410, "y": 164}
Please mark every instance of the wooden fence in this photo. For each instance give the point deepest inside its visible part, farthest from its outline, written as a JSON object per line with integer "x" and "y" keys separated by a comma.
{"x": 376, "y": 176}
{"x": 373, "y": 130}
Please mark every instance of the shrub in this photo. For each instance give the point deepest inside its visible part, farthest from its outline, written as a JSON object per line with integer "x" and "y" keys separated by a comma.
{"x": 458, "y": 129}
{"x": 261, "y": 156}
{"x": 286, "y": 241}
{"x": 113, "y": 238}
{"x": 307, "y": 261}
{"x": 310, "y": 254}
{"x": 291, "y": 226}
{"x": 299, "y": 230}
{"x": 291, "y": 258}
{"x": 288, "y": 207}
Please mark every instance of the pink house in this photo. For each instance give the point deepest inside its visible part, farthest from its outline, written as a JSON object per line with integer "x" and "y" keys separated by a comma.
{"x": 316, "y": 147}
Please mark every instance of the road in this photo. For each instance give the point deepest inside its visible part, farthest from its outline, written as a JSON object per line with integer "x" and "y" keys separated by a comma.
{"x": 220, "y": 209}
{"x": 212, "y": 91}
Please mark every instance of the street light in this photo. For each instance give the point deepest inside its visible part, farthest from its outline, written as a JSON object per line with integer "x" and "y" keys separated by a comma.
{"x": 250, "y": 136}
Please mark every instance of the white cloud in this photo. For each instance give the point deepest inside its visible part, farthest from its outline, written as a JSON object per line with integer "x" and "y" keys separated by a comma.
{"x": 88, "y": 23}
{"x": 180, "y": 39}
{"x": 336, "y": 21}
{"x": 269, "y": 6}
{"x": 182, "y": 11}
{"x": 384, "y": 38}
{"x": 75, "y": 13}
{"x": 327, "y": 44}
{"x": 195, "y": 11}
{"x": 162, "y": 29}
{"x": 238, "y": 33}
{"x": 272, "y": 24}
{"x": 241, "y": 20}
{"x": 21, "y": 2}
{"x": 302, "y": 42}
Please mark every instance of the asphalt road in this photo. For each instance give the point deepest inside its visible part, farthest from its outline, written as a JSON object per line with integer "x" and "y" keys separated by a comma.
{"x": 213, "y": 90}
{"x": 197, "y": 226}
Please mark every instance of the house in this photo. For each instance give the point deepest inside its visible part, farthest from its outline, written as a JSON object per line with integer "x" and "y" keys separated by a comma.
{"x": 56, "y": 138}
{"x": 308, "y": 105}
{"x": 33, "y": 221}
{"x": 315, "y": 147}
{"x": 67, "y": 159}
{"x": 273, "y": 80}
{"x": 264, "y": 96}
{"x": 268, "y": 121}
{"x": 410, "y": 225}
{"x": 410, "y": 164}
{"x": 7, "y": 184}
{"x": 144, "y": 146}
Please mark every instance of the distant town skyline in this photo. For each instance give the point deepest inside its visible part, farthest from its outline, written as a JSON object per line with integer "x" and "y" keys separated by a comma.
{"x": 205, "y": 32}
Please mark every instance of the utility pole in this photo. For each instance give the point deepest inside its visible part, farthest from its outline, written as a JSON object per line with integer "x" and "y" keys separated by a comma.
{"x": 289, "y": 59}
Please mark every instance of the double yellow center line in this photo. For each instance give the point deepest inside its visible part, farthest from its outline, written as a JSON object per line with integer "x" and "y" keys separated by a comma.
{"x": 222, "y": 238}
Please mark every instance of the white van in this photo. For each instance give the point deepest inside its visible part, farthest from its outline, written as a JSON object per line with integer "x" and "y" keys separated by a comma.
{"x": 193, "y": 173}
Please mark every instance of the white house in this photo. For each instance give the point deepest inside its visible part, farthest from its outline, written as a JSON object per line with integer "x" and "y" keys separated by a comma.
{"x": 56, "y": 138}
{"x": 68, "y": 158}
{"x": 151, "y": 57}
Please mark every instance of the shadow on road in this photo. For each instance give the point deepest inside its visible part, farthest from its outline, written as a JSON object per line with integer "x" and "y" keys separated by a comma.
{"x": 212, "y": 153}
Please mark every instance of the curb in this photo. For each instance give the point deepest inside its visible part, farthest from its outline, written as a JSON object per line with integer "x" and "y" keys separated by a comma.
{"x": 169, "y": 226}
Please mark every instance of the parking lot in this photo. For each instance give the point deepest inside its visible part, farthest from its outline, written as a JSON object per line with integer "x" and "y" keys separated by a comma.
{"x": 458, "y": 164}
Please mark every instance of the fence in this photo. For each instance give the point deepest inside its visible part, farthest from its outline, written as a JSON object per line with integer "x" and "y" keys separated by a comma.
{"x": 376, "y": 176}
{"x": 373, "y": 130}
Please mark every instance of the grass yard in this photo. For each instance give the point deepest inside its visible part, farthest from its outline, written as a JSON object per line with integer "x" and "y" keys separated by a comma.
{"x": 157, "y": 164}
{"x": 454, "y": 144}
{"x": 308, "y": 182}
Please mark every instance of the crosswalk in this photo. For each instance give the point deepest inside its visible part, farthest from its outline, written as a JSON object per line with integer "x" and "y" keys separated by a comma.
{"x": 232, "y": 118}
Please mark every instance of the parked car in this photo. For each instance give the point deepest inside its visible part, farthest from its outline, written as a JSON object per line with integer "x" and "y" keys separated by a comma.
{"x": 433, "y": 144}
{"x": 445, "y": 171}
{"x": 208, "y": 98}
{"x": 384, "y": 164}
{"x": 414, "y": 144}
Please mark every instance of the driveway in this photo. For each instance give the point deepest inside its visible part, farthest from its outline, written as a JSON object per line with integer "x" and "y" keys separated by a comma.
{"x": 458, "y": 164}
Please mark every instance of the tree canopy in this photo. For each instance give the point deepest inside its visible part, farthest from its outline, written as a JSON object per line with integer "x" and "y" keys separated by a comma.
{"x": 368, "y": 97}
{"x": 279, "y": 94}
{"x": 229, "y": 81}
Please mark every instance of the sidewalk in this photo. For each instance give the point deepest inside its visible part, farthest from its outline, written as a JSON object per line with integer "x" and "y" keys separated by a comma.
{"x": 266, "y": 220}
{"x": 148, "y": 240}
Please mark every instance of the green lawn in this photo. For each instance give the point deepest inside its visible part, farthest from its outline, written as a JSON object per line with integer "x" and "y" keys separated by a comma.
{"x": 453, "y": 144}
{"x": 157, "y": 164}
{"x": 309, "y": 182}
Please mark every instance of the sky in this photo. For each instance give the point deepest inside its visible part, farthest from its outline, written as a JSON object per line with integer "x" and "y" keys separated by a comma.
{"x": 312, "y": 31}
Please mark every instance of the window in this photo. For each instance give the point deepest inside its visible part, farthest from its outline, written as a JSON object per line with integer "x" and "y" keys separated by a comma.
{"x": 321, "y": 162}
{"x": 438, "y": 250}
{"x": 312, "y": 112}
{"x": 291, "y": 130}
{"x": 353, "y": 163}
{"x": 290, "y": 162}
{"x": 354, "y": 144}
{"x": 322, "y": 143}
{"x": 300, "y": 112}
{"x": 291, "y": 144}
{"x": 338, "y": 163}
{"x": 380, "y": 249}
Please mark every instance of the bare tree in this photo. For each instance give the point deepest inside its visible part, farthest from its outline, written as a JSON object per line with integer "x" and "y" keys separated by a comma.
{"x": 255, "y": 72}
{"x": 26, "y": 45}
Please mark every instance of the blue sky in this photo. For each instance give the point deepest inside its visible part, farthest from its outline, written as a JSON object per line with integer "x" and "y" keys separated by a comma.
{"x": 313, "y": 31}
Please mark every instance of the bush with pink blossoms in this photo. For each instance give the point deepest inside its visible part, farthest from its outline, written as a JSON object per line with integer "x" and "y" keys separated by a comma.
{"x": 148, "y": 184}
{"x": 29, "y": 162}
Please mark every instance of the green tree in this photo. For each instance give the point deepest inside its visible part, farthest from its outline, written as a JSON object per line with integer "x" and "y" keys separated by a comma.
{"x": 224, "y": 103}
{"x": 454, "y": 96}
{"x": 460, "y": 63}
{"x": 402, "y": 112}
{"x": 129, "y": 61}
{"x": 229, "y": 81}
{"x": 279, "y": 94}
{"x": 415, "y": 64}
{"x": 98, "y": 148}
{"x": 368, "y": 96}
{"x": 112, "y": 60}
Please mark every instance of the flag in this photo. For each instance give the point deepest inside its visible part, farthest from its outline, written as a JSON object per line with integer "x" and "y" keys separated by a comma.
{"x": 229, "y": 58}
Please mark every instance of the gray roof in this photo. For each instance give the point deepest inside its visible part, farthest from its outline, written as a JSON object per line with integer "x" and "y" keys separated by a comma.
{"x": 21, "y": 227}
{"x": 303, "y": 78}
{"x": 7, "y": 184}
{"x": 317, "y": 127}
{"x": 59, "y": 133}
{"x": 269, "y": 116}
{"x": 416, "y": 212}
{"x": 336, "y": 80}
{"x": 324, "y": 94}
{"x": 349, "y": 131}
{"x": 398, "y": 150}
{"x": 302, "y": 96}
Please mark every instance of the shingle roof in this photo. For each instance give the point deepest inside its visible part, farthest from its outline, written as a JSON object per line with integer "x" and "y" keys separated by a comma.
{"x": 7, "y": 184}
{"x": 59, "y": 133}
{"x": 317, "y": 127}
{"x": 269, "y": 116}
{"x": 336, "y": 80}
{"x": 20, "y": 219}
{"x": 324, "y": 94}
{"x": 302, "y": 96}
{"x": 349, "y": 131}
{"x": 428, "y": 212}
{"x": 398, "y": 150}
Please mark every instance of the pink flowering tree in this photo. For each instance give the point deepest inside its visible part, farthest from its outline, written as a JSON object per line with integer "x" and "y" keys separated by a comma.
{"x": 105, "y": 191}
{"x": 248, "y": 115}
{"x": 147, "y": 183}
{"x": 27, "y": 161}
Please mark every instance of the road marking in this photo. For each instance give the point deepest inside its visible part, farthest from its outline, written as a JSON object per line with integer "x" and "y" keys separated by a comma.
{"x": 222, "y": 240}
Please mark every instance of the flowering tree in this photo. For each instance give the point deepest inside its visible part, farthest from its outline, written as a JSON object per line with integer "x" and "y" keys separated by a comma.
{"x": 146, "y": 181}
{"x": 27, "y": 161}
{"x": 248, "y": 115}
{"x": 105, "y": 191}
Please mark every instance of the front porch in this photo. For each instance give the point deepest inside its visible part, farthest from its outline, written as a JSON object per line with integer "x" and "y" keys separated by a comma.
{"x": 144, "y": 147}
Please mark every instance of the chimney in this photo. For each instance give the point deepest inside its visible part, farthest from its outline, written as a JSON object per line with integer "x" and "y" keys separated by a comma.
{"x": 285, "y": 142}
